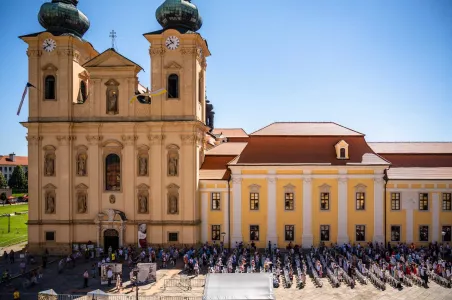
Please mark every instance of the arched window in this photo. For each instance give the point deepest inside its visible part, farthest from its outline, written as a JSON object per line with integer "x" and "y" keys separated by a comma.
{"x": 112, "y": 172}
{"x": 173, "y": 86}
{"x": 342, "y": 153}
{"x": 83, "y": 91}
{"x": 50, "y": 87}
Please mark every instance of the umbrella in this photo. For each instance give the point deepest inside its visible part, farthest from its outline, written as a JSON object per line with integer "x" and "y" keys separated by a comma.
{"x": 97, "y": 293}
{"x": 48, "y": 295}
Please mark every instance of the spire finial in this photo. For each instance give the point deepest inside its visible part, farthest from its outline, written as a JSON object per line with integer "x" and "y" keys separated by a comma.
{"x": 113, "y": 37}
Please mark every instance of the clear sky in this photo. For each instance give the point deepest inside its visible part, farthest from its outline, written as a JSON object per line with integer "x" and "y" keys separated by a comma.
{"x": 381, "y": 67}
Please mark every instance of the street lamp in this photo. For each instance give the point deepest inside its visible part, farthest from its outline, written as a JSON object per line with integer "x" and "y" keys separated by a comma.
{"x": 443, "y": 233}
{"x": 135, "y": 275}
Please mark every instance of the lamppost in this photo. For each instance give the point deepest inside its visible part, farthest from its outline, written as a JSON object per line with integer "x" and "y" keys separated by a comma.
{"x": 222, "y": 239}
{"x": 443, "y": 233}
{"x": 135, "y": 275}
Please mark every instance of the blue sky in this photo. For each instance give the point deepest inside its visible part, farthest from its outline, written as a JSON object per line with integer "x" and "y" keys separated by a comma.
{"x": 381, "y": 67}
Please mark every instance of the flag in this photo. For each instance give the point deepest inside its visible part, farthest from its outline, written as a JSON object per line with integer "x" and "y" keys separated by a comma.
{"x": 28, "y": 85}
{"x": 148, "y": 94}
{"x": 157, "y": 92}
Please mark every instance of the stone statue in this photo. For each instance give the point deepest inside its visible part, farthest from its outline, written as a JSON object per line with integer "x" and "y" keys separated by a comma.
{"x": 143, "y": 204}
{"x": 172, "y": 165}
{"x": 112, "y": 102}
{"x": 143, "y": 166}
{"x": 81, "y": 164}
{"x": 81, "y": 203}
{"x": 172, "y": 205}
{"x": 50, "y": 203}
{"x": 49, "y": 165}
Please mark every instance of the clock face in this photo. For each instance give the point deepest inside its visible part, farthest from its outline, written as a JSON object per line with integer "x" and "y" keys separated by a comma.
{"x": 172, "y": 42}
{"x": 49, "y": 45}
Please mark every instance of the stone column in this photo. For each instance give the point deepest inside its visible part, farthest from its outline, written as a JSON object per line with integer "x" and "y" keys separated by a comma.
{"x": 237, "y": 210}
{"x": 342, "y": 228}
{"x": 379, "y": 210}
{"x": 128, "y": 174}
{"x": 409, "y": 201}
{"x": 271, "y": 213}
{"x": 436, "y": 235}
{"x": 307, "y": 238}
{"x": 204, "y": 216}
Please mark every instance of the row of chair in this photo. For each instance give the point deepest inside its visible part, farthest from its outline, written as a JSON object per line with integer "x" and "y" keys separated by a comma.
{"x": 315, "y": 276}
{"x": 333, "y": 279}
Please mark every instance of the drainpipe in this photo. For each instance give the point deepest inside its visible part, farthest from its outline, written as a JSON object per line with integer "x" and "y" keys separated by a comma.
{"x": 385, "y": 221}
{"x": 229, "y": 213}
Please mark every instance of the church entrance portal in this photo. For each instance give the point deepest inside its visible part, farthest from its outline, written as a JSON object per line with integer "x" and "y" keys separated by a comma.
{"x": 111, "y": 238}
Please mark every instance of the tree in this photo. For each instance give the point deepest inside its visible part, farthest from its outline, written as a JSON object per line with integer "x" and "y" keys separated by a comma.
{"x": 3, "y": 198}
{"x": 3, "y": 183}
{"x": 18, "y": 179}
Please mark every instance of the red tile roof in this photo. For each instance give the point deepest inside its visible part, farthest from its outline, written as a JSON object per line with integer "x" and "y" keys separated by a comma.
{"x": 304, "y": 149}
{"x": 19, "y": 160}
{"x": 227, "y": 149}
{"x": 230, "y": 132}
{"x": 306, "y": 129}
{"x": 412, "y": 147}
{"x": 213, "y": 174}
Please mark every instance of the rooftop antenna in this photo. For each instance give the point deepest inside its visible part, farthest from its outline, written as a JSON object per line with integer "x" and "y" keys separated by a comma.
{"x": 113, "y": 38}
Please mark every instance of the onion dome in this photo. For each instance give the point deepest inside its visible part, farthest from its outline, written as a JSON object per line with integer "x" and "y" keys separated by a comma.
{"x": 179, "y": 14}
{"x": 62, "y": 17}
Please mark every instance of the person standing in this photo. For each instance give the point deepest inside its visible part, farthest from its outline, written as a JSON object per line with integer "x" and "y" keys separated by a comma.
{"x": 85, "y": 279}
{"x": 16, "y": 294}
{"x": 109, "y": 276}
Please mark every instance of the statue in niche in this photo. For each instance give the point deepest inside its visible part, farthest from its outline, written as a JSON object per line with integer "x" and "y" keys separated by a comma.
{"x": 143, "y": 204}
{"x": 49, "y": 165}
{"x": 112, "y": 102}
{"x": 172, "y": 164}
{"x": 143, "y": 166}
{"x": 81, "y": 164}
{"x": 50, "y": 203}
{"x": 81, "y": 203}
{"x": 172, "y": 204}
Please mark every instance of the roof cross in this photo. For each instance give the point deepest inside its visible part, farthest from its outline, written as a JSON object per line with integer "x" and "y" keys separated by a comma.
{"x": 113, "y": 38}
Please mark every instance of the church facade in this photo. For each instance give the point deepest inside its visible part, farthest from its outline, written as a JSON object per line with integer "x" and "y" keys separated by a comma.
{"x": 106, "y": 170}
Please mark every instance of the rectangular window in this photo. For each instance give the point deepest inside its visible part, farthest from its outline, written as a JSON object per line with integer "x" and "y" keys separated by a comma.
{"x": 395, "y": 233}
{"x": 423, "y": 201}
{"x": 423, "y": 233}
{"x": 173, "y": 236}
{"x": 254, "y": 232}
{"x": 446, "y": 233}
{"x": 360, "y": 233}
{"x": 289, "y": 232}
{"x": 254, "y": 201}
{"x": 50, "y": 236}
{"x": 324, "y": 233}
{"x": 395, "y": 201}
{"x": 288, "y": 200}
{"x": 447, "y": 201}
{"x": 215, "y": 201}
{"x": 324, "y": 201}
{"x": 360, "y": 200}
{"x": 216, "y": 232}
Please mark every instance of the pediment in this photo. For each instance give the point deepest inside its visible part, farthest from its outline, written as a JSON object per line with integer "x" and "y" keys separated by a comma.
{"x": 360, "y": 187}
{"x": 341, "y": 144}
{"x": 49, "y": 186}
{"x": 173, "y": 65}
{"x": 254, "y": 187}
{"x": 81, "y": 186}
{"x": 50, "y": 67}
{"x": 325, "y": 187}
{"x": 172, "y": 186}
{"x": 111, "y": 58}
{"x": 143, "y": 186}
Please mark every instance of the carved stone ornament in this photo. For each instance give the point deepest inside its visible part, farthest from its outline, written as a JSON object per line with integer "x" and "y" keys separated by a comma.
{"x": 156, "y": 139}
{"x": 289, "y": 188}
{"x": 34, "y": 139}
{"x": 112, "y": 199}
{"x": 187, "y": 51}
{"x": 271, "y": 179}
{"x": 142, "y": 165}
{"x": 94, "y": 139}
{"x": 142, "y": 203}
{"x": 49, "y": 161}
{"x": 129, "y": 139}
{"x": 82, "y": 201}
{"x": 254, "y": 188}
{"x": 34, "y": 52}
{"x": 173, "y": 199}
{"x": 50, "y": 199}
{"x": 379, "y": 180}
{"x": 64, "y": 140}
{"x": 173, "y": 160}
{"x": 82, "y": 163}
{"x": 307, "y": 179}
{"x": 237, "y": 180}
{"x": 157, "y": 51}
{"x": 342, "y": 180}
{"x": 112, "y": 97}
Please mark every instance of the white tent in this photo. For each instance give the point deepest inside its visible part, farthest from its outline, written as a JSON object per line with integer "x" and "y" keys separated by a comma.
{"x": 238, "y": 286}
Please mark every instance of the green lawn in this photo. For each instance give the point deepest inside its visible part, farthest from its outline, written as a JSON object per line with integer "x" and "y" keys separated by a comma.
{"x": 18, "y": 228}
{"x": 18, "y": 195}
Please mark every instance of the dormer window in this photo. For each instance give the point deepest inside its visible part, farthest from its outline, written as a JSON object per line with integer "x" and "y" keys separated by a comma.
{"x": 342, "y": 150}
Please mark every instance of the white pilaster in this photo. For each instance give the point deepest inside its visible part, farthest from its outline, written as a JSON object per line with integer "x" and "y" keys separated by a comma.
{"x": 237, "y": 210}
{"x": 409, "y": 204}
{"x": 307, "y": 238}
{"x": 379, "y": 210}
{"x": 435, "y": 218}
{"x": 342, "y": 232}
{"x": 204, "y": 216}
{"x": 271, "y": 213}
{"x": 225, "y": 227}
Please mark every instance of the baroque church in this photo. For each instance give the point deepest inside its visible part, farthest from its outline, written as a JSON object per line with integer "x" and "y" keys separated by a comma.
{"x": 106, "y": 171}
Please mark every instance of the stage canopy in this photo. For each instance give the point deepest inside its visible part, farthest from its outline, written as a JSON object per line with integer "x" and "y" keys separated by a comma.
{"x": 238, "y": 286}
